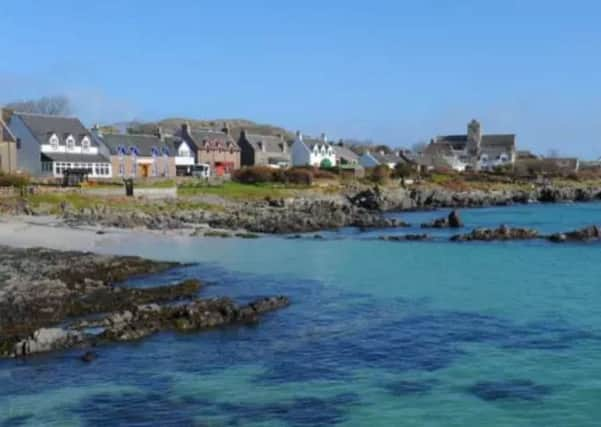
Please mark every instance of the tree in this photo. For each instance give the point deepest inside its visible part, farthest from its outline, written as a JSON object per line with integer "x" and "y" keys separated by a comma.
{"x": 325, "y": 164}
{"x": 58, "y": 105}
{"x": 402, "y": 170}
{"x": 380, "y": 174}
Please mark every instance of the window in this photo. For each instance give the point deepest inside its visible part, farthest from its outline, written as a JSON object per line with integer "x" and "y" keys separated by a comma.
{"x": 85, "y": 144}
{"x": 54, "y": 142}
{"x": 122, "y": 167}
{"x": 70, "y": 143}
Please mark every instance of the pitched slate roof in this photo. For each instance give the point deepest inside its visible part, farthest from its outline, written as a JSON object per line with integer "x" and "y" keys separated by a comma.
{"x": 271, "y": 144}
{"x": 456, "y": 142}
{"x": 345, "y": 153}
{"x": 312, "y": 142}
{"x": 439, "y": 148}
{"x": 143, "y": 143}
{"x": 499, "y": 140}
{"x": 213, "y": 140}
{"x": 43, "y": 126}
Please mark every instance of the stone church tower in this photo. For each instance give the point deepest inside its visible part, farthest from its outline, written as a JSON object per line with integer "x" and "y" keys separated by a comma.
{"x": 474, "y": 142}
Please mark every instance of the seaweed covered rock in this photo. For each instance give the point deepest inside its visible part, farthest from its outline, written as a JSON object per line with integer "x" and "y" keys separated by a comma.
{"x": 502, "y": 233}
{"x": 585, "y": 234}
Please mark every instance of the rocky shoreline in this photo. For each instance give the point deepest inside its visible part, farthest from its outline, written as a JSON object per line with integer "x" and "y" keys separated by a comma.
{"x": 359, "y": 207}
{"x": 505, "y": 233}
{"x": 48, "y": 296}
{"x": 398, "y": 200}
{"x": 363, "y": 209}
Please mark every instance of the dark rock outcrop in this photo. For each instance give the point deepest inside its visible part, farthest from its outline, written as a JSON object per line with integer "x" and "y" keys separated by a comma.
{"x": 43, "y": 294}
{"x": 502, "y": 233}
{"x": 586, "y": 234}
{"x": 197, "y": 315}
{"x": 406, "y": 238}
{"x": 368, "y": 199}
{"x": 453, "y": 220}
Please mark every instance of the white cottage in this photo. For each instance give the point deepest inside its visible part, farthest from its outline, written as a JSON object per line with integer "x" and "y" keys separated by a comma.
{"x": 50, "y": 145}
{"x": 185, "y": 157}
{"x": 312, "y": 152}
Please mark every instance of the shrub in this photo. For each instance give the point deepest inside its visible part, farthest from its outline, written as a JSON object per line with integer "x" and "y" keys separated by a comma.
{"x": 254, "y": 175}
{"x": 402, "y": 170}
{"x": 380, "y": 174}
{"x": 264, "y": 174}
{"x": 299, "y": 176}
{"x": 324, "y": 174}
{"x": 326, "y": 164}
{"x": 11, "y": 180}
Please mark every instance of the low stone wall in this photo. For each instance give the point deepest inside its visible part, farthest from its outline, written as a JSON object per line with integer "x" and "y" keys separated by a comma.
{"x": 149, "y": 193}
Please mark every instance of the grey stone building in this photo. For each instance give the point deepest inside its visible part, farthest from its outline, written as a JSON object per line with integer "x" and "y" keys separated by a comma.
{"x": 8, "y": 148}
{"x": 473, "y": 150}
{"x": 263, "y": 150}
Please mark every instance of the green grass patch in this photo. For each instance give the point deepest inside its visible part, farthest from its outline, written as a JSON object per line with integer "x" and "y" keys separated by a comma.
{"x": 237, "y": 191}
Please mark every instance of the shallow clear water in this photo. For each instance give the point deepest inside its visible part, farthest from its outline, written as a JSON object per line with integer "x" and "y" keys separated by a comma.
{"x": 379, "y": 333}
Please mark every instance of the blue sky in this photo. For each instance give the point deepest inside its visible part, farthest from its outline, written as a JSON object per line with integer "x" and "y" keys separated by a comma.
{"x": 392, "y": 71}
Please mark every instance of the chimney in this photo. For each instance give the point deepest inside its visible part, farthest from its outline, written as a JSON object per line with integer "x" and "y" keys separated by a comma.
{"x": 185, "y": 129}
{"x": 299, "y": 136}
{"x": 159, "y": 133}
{"x": 226, "y": 128}
{"x": 5, "y": 115}
{"x": 96, "y": 131}
{"x": 324, "y": 138}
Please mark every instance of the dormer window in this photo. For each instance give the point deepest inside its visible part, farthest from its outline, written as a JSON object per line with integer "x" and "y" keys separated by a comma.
{"x": 54, "y": 142}
{"x": 85, "y": 144}
{"x": 70, "y": 143}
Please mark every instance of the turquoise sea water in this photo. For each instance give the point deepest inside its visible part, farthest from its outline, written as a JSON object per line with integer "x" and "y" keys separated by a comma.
{"x": 379, "y": 334}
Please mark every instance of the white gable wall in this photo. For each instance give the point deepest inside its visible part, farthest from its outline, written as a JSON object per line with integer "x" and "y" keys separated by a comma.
{"x": 185, "y": 156}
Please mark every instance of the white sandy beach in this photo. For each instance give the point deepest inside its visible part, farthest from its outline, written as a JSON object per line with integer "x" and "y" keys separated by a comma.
{"x": 49, "y": 232}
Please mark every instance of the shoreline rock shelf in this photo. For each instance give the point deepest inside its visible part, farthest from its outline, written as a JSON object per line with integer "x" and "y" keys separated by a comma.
{"x": 44, "y": 294}
{"x": 502, "y": 233}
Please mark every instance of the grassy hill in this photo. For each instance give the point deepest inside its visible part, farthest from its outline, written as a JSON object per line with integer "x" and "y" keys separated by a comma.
{"x": 171, "y": 125}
